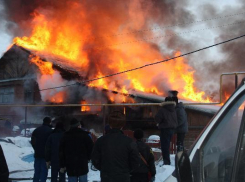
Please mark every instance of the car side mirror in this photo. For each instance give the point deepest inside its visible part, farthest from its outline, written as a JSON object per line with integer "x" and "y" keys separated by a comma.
{"x": 183, "y": 167}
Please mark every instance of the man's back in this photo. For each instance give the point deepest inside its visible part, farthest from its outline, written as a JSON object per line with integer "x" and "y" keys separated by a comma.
{"x": 75, "y": 151}
{"x": 166, "y": 117}
{"x": 39, "y": 138}
{"x": 115, "y": 155}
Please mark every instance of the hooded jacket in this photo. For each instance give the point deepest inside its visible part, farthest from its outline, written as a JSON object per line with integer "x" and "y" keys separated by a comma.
{"x": 166, "y": 117}
{"x": 182, "y": 119}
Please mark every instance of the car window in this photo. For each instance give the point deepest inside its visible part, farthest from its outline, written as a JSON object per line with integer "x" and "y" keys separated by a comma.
{"x": 240, "y": 170}
{"x": 218, "y": 150}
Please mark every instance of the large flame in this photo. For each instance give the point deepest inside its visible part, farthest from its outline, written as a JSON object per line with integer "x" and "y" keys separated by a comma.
{"x": 46, "y": 68}
{"x": 75, "y": 39}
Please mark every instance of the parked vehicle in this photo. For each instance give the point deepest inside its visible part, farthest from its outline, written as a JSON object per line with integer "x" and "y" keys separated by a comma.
{"x": 218, "y": 154}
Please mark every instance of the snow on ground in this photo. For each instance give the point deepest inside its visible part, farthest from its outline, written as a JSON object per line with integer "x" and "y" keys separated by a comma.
{"x": 19, "y": 156}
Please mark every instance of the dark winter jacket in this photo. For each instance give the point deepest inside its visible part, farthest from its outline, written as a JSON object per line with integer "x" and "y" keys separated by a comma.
{"x": 75, "y": 151}
{"x": 182, "y": 119}
{"x": 115, "y": 155}
{"x": 39, "y": 138}
{"x": 166, "y": 117}
{"x": 52, "y": 148}
{"x": 147, "y": 153}
{"x": 4, "y": 171}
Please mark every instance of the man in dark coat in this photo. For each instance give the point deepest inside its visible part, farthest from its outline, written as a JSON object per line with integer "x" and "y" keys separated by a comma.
{"x": 166, "y": 119}
{"x": 75, "y": 151}
{"x": 182, "y": 127}
{"x": 52, "y": 152}
{"x": 147, "y": 160}
{"x": 4, "y": 171}
{"x": 115, "y": 154}
{"x": 38, "y": 140}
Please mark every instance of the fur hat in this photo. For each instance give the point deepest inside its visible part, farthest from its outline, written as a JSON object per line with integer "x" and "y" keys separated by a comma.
{"x": 138, "y": 134}
{"x": 74, "y": 123}
{"x": 116, "y": 119}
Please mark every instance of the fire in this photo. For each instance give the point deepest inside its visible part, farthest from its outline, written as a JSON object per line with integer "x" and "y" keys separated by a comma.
{"x": 46, "y": 68}
{"x": 71, "y": 34}
{"x": 99, "y": 83}
{"x": 85, "y": 108}
{"x": 190, "y": 91}
{"x": 185, "y": 85}
{"x": 58, "y": 98}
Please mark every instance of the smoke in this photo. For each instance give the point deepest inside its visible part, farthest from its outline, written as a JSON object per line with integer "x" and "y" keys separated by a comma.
{"x": 226, "y": 58}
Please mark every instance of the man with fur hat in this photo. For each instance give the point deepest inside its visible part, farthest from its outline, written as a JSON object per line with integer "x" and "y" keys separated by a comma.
{"x": 75, "y": 152}
{"x": 147, "y": 160}
{"x": 115, "y": 154}
{"x": 166, "y": 119}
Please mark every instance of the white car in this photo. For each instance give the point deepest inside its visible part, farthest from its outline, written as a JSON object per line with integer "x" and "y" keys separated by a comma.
{"x": 218, "y": 155}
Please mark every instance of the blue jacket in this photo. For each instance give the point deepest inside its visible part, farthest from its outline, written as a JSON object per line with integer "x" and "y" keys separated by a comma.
{"x": 182, "y": 119}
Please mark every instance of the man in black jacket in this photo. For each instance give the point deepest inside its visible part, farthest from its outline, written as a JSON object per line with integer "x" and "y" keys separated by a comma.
{"x": 115, "y": 154}
{"x": 38, "y": 140}
{"x": 147, "y": 160}
{"x": 75, "y": 151}
{"x": 52, "y": 152}
{"x": 4, "y": 171}
{"x": 166, "y": 119}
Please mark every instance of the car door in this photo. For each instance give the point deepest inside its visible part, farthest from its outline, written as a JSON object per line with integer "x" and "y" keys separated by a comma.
{"x": 216, "y": 158}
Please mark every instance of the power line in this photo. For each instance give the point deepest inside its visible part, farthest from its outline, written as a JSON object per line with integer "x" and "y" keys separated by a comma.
{"x": 165, "y": 27}
{"x": 137, "y": 68}
{"x": 158, "y": 37}
{"x": 181, "y": 33}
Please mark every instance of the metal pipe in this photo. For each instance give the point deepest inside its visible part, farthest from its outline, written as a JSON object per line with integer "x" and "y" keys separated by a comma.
{"x": 236, "y": 80}
{"x": 25, "y": 119}
{"x": 79, "y": 105}
{"x": 104, "y": 118}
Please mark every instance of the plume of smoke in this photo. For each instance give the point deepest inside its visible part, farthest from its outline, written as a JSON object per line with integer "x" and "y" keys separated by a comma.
{"x": 225, "y": 58}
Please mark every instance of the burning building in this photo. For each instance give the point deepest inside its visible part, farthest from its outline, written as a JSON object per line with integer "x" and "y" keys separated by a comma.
{"x": 70, "y": 51}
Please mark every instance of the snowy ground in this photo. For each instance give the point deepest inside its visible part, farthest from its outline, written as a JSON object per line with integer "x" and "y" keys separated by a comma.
{"x": 19, "y": 155}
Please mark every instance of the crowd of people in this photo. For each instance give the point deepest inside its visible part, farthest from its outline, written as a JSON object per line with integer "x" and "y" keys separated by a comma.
{"x": 117, "y": 157}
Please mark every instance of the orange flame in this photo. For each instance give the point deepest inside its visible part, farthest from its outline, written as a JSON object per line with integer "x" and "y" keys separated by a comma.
{"x": 68, "y": 41}
{"x": 58, "y": 98}
{"x": 46, "y": 68}
{"x": 85, "y": 108}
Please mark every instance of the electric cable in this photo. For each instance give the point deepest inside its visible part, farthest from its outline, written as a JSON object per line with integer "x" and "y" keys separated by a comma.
{"x": 165, "y": 27}
{"x": 137, "y": 68}
{"x": 157, "y": 37}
